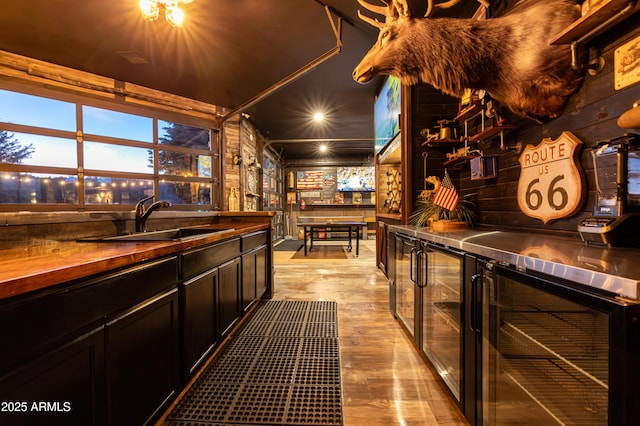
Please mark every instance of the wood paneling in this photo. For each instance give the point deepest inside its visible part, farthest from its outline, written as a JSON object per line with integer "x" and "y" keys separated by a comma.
{"x": 590, "y": 114}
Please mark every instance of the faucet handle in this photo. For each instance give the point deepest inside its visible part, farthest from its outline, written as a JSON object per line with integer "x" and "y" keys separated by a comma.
{"x": 140, "y": 204}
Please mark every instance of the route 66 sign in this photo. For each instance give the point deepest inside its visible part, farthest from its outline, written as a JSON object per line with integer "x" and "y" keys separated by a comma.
{"x": 551, "y": 181}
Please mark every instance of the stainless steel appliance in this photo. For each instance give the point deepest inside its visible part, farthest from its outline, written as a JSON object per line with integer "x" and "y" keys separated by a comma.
{"x": 550, "y": 353}
{"x": 616, "y": 213}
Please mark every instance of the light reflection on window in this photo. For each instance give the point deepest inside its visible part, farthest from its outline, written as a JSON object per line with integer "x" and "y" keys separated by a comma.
{"x": 38, "y": 188}
{"x": 18, "y": 108}
{"x": 183, "y": 135}
{"x": 186, "y": 193}
{"x": 105, "y": 190}
{"x": 117, "y": 158}
{"x": 104, "y": 122}
{"x": 182, "y": 164}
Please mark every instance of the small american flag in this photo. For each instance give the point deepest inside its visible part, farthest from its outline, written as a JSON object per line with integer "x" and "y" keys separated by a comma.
{"x": 446, "y": 196}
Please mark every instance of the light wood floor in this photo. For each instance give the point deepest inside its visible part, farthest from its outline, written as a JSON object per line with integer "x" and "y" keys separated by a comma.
{"x": 384, "y": 380}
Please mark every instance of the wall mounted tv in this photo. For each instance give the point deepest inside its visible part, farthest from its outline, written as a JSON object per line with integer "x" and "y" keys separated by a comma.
{"x": 386, "y": 113}
{"x": 359, "y": 179}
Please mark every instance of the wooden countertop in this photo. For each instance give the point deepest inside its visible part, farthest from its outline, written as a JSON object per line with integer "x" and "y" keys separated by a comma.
{"x": 28, "y": 269}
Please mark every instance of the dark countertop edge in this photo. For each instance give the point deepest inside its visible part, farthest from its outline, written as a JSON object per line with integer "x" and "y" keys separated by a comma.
{"x": 491, "y": 245}
{"x": 77, "y": 260}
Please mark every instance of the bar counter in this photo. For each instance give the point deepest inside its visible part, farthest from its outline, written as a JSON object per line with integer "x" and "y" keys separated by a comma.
{"x": 27, "y": 269}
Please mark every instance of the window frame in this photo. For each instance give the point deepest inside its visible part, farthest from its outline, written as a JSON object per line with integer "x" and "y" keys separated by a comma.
{"x": 156, "y": 114}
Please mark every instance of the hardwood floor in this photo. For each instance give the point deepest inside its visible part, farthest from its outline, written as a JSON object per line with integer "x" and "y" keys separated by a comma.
{"x": 384, "y": 380}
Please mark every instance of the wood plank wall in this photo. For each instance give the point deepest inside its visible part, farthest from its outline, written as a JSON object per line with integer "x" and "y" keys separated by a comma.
{"x": 591, "y": 115}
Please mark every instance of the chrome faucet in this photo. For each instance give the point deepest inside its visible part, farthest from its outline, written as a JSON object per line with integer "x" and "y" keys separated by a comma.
{"x": 142, "y": 213}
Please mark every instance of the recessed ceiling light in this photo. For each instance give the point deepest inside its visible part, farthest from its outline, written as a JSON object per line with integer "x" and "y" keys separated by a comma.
{"x": 318, "y": 117}
{"x": 323, "y": 147}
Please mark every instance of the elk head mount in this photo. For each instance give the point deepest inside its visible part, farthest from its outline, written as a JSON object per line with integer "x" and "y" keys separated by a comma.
{"x": 510, "y": 56}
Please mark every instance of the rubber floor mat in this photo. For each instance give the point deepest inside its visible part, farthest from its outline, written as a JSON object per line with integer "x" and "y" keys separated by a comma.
{"x": 281, "y": 368}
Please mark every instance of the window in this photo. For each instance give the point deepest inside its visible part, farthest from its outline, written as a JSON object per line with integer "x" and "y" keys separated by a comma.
{"x": 18, "y": 108}
{"x": 57, "y": 154}
{"x": 104, "y": 122}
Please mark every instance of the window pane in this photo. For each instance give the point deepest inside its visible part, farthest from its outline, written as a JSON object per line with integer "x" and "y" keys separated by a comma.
{"x": 105, "y": 190}
{"x": 104, "y": 122}
{"x": 182, "y": 135}
{"x": 181, "y": 164}
{"x": 38, "y": 188}
{"x": 186, "y": 193}
{"x": 18, "y": 108}
{"x": 36, "y": 150}
{"x": 117, "y": 158}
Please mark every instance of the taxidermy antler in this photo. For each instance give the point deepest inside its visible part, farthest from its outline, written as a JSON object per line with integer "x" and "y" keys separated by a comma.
{"x": 510, "y": 57}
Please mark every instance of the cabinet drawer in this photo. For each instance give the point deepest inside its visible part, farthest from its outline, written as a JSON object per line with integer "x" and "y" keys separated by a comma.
{"x": 253, "y": 240}
{"x": 199, "y": 260}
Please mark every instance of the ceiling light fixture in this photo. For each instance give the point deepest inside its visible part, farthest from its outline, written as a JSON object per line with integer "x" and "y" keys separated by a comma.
{"x": 173, "y": 14}
{"x": 324, "y": 148}
{"x": 318, "y": 117}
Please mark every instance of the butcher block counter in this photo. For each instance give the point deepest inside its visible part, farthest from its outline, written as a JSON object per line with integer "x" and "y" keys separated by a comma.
{"x": 27, "y": 269}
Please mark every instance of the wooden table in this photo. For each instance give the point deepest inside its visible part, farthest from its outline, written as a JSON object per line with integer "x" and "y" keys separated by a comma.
{"x": 312, "y": 227}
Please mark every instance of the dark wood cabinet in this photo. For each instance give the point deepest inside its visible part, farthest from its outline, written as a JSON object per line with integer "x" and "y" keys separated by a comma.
{"x": 228, "y": 296}
{"x": 142, "y": 360}
{"x": 63, "y": 387}
{"x": 198, "y": 304}
{"x": 248, "y": 279}
{"x": 255, "y": 276}
{"x": 262, "y": 272}
{"x": 115, "y": 348}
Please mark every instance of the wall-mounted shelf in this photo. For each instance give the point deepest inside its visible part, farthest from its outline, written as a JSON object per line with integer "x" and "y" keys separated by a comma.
{"x": 458, "y": 160}
{"x": 468, "y": 112}
{"x": 598, "y": 19}
{"x": 442, "y": 143}
{"x": 492, "y": 131}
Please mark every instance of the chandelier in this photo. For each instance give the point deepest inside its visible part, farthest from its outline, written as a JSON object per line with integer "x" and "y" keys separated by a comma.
{"x": 151, "y": 9}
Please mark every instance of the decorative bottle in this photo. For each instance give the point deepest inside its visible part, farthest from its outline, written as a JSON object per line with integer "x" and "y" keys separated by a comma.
{"x": 234, "y": 204}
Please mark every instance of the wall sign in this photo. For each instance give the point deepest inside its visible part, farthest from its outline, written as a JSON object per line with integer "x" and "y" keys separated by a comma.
{"x": 551, "y": 184}
{"x": 626, "y": 64}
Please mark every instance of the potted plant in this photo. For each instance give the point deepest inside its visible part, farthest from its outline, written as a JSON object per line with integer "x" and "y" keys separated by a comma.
{"x": 439, "y": 218}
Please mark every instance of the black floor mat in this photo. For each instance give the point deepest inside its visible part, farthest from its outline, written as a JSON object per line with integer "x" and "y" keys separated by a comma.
{"x": 281, "y": 368}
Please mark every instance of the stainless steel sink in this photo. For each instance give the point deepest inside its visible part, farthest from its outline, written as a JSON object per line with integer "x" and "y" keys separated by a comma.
{"x": 176, "y": 234}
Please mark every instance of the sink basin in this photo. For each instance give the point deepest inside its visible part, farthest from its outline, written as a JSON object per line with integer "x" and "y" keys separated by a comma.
{"x": 177, "y": 234}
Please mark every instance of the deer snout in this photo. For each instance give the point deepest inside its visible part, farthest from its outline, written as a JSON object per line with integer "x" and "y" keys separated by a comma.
{"x": 362, "y": 75}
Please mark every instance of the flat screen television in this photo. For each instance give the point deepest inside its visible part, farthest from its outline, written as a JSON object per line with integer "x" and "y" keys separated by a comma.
{"x": 357, "y": 179}
{"x": 386, "y": 113}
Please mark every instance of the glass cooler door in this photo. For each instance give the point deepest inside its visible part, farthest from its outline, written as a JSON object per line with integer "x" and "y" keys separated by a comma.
{"x": 545, "y": 357}
{"x": 441, "y": 320}
{"x": 405, "y": 272}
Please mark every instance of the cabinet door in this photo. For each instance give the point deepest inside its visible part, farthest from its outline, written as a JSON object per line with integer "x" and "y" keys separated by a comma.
{"x": 248, "y": 279}
{"x": 261, "y": 272}
{"x": 199, "y": 320}
{"x": 142, "y": 360}
{"x": 228, "y": 296}
{"x": 64, "y": 387}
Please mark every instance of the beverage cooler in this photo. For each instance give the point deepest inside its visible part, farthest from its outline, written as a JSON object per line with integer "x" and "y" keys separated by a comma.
{"x": 428, "y": 298}
{"x": 515, "y": 347}
{"x": 549, "y": 352}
